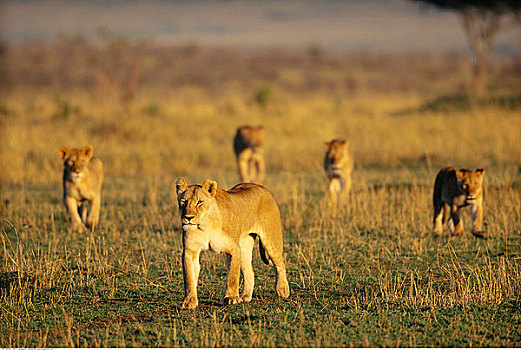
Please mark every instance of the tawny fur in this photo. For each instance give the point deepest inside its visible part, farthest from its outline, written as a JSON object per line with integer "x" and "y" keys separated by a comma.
{"x": 338, "y": 165}
{"x": 454, "y": 189}
{"x": 228, "y": 222}
{"x": 82, "y": 180}
{"x": 248, "y": 145}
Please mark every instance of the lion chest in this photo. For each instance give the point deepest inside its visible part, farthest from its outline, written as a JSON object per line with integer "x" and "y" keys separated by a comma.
{"x": 218, "y": 242}
{"x": 79, "y": 191}
{"x": 212, "y": 240}
{"x": 452, "y": 199}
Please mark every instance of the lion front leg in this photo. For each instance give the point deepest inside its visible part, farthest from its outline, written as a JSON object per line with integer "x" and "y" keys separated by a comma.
{"x": 457, "y": 223}
{"x": 345, "y": 188}
{"x": 233, "y": 262}
{"x": 93, "y": 218}
{"x": 243, "y": 163}
{"x": 335, "y": 187}
{"x": 82, "y": 211}
{"x": 72, "y": 207}
{"x": 191, "y": 268}
{"x": 257, "y": 171}
{"x": 477, "y": 218}
{"x": 247, "y": 244}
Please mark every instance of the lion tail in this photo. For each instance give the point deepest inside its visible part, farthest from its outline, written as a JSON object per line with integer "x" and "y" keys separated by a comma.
{"x": 438, "y": 185}
{"x": 264, "y": 255}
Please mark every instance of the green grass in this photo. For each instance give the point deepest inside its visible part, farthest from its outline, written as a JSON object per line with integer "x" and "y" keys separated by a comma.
{"x": 370, "y": 274}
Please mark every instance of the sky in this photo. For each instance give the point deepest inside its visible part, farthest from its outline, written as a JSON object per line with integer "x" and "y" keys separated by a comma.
{"x": 380, "y": 25}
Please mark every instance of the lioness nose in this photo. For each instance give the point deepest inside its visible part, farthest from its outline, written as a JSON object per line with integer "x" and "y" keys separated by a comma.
{"x": 189, "y": 217}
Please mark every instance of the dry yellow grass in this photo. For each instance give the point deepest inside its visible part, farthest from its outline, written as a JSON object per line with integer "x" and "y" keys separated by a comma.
{"x": 368, "y": 274}
{"x": 196, "y": 136}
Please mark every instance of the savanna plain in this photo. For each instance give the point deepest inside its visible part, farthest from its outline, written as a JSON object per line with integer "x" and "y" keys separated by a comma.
{"x": 370, "y": 273}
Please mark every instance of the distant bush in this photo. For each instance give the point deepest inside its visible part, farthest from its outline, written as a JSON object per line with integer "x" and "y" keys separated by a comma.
{"x": 152, "y": 110}
{"x": 263, "y": 96}
{"x": 64, "y": 108}
{"x": 464, "y": 102}
{"x": 6, "y": 111}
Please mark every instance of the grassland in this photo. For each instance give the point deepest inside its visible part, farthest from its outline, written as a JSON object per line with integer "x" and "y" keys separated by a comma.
{"x": 368, "y": 274}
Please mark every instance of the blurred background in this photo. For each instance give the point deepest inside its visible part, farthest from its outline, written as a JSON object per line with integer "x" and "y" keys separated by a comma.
{"x": 159, "y": 87}
{"x": 375, "y": 25}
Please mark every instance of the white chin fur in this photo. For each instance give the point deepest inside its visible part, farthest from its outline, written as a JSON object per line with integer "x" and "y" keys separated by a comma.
{"x": 76, "y": 178}
{"x": 189, "y": 227}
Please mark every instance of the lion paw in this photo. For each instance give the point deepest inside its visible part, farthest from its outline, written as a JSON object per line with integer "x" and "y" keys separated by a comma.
{"x": 78, "y": 228}
{"x": 232, "y": 300}
{"x": 188, "y": 303}
{"x": 91, "y": 225}
{"x": 246, "y": 298}
{"x": 480, "y": 234}
{"x": 282, "y": 290}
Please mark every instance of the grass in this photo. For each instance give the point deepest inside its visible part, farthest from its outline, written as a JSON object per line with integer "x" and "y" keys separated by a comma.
{"x": 370, "y": 274}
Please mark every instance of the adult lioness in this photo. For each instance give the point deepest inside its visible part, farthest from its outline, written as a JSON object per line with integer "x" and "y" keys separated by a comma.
{"x": 228, "y": 222}
{"x": 248, "y": 145}
{"x": 82, "y": 180}
{"x": 454, "y": 189}
{"x": 338, "y": 165}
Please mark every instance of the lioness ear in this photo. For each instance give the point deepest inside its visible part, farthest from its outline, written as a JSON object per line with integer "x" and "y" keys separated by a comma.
{"x": 327, "y": 144}
{"x": 180, "y": 186}
{"x": 87, "y": 150}
{"x": 460, "y": 174}
{"x": 210, "y": 186}
{"x": 480, "y": 170}
{"x": 64, "y": 152}
{"x": 261, "y": 131}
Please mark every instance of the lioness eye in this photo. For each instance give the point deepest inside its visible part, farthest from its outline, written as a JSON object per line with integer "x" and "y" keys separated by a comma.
{"x": 182, "y": 201}
{"x": 199, "y": 203}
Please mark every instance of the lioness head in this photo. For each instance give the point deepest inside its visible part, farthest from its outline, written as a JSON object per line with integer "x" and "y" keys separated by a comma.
{"x": 470, "y": 183}
{"x": 253, "y": 135}
{"x": 195, "y": 202}
{"x": 336, "y": 152}
{"x": 76, "y": 162}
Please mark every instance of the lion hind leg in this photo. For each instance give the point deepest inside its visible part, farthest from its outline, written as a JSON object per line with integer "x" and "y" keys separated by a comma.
{"x": 264, "y": 255}
{"x": 439, "y": 218}
{"x": 275, "y": 252}
{"x": 348, "y": 183}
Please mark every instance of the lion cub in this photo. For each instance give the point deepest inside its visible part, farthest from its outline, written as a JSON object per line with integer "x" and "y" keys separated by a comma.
{"x": 248, "y": 145}
{"x": 454, "y": 189}
{"x": 338, "y": 165}
{"x": 228, "y": 222}
{"x": 82, "y": 180}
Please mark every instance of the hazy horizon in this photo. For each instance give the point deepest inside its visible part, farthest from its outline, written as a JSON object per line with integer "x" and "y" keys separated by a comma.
{"x": 381, "y": 25}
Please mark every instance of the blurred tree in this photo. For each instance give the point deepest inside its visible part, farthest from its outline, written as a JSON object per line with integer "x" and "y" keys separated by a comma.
{"x": 481, "y": 21}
